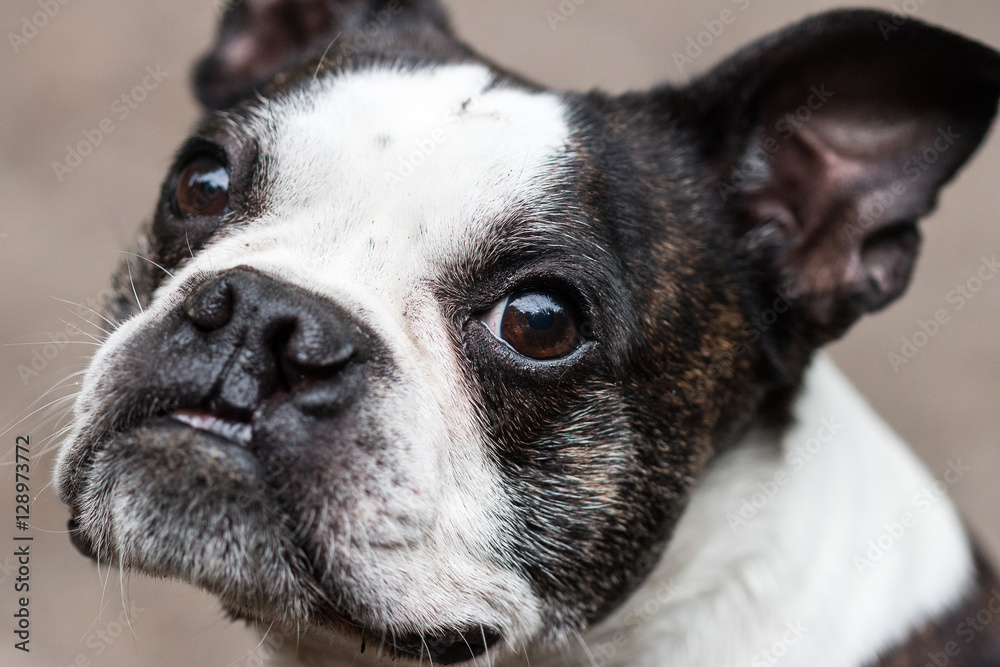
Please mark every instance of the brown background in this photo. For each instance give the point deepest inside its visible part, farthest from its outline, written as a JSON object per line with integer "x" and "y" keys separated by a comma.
{"x": 60, "y": 240}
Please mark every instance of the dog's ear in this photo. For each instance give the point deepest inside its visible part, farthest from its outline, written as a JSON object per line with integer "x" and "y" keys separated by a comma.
{"x": 259, "y": 38}
{"x": 828, "y": 141}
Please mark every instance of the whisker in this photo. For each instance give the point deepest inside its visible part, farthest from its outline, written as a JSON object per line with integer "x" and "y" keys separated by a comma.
{"x": 46, "y": 342}
{"x": 486, "y": 650}
{"x": 586, "y": 649}
{"x": 88, "y": 335}
{"x": 36, "y": 411}
{"x": 323, "y": 57}
{"x": 121, "y": 585}
{"x": 148, "y": 260}
{"x": 128, "y": 265}
{"x": 114, "y": 325}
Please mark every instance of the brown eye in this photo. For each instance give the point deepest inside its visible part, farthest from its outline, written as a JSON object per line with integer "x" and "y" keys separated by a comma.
{"x": 203, "y": 187}
{"x": 538, "y": 324}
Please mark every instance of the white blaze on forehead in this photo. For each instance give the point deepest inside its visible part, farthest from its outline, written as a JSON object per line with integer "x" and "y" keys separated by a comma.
{"x": 379, "y": 178}
{"x": 420, "y": 161}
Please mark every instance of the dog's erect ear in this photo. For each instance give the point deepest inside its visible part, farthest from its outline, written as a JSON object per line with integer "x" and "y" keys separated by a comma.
{"x": 828, "y": 141}
{"x": 259, "y": 38}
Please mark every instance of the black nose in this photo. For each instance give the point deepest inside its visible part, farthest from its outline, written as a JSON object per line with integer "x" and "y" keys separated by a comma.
{"x": 277, "y": 336}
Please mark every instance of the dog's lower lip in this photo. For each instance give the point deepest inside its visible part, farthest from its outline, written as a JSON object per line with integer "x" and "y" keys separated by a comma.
{"x": 238, "y": 432}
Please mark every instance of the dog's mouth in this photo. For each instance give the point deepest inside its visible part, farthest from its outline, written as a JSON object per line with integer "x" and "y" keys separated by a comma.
{"x": 233, "y": 439}
{"x": 231, "y": 431}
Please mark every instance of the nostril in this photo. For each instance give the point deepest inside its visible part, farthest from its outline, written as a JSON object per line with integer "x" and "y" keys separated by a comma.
{"x": 262, "y": 338}
{"x": 311, "y": 352}
{"x": 211, "y": 305}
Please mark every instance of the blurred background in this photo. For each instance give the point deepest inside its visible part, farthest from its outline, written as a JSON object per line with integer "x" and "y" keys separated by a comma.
{"x": 63, "y": 230}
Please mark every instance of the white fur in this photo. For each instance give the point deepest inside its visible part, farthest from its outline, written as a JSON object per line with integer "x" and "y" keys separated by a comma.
{"x": 343, "y": 219}
{"x": 721, "y": 598}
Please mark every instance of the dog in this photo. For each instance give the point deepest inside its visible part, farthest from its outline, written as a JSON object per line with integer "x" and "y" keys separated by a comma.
{"x": 430, "y": 364}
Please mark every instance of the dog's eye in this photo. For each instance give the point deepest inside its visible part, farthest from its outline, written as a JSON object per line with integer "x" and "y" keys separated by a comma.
{"x": 536, "y": 323}
{"x": 203, "y": 187}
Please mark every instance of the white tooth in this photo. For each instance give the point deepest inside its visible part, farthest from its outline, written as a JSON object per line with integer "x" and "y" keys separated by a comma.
{"x": 235, "y": 431}
{"x": 244, "y": 433}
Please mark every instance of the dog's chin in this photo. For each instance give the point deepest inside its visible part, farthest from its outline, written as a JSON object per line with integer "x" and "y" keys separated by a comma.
{"x": 173, "y": 500}
{"x": 176, "y": 501}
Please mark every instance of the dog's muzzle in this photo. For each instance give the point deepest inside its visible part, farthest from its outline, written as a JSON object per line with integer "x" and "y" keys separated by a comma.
{"x": 215, "y": 362}
{"x": 232, "y": 426}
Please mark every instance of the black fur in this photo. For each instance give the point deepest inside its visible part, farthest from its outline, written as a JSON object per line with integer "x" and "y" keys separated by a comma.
{"x": 704, "y": 304}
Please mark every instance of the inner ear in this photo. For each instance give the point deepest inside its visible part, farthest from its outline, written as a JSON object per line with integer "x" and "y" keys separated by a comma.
{"x": 835, "y": 181}
{"x": 257, "y": 39}
{"x": 829, "y": 143}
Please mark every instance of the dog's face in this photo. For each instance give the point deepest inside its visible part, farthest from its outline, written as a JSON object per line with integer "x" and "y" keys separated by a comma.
{"x": 427, "y": 355}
